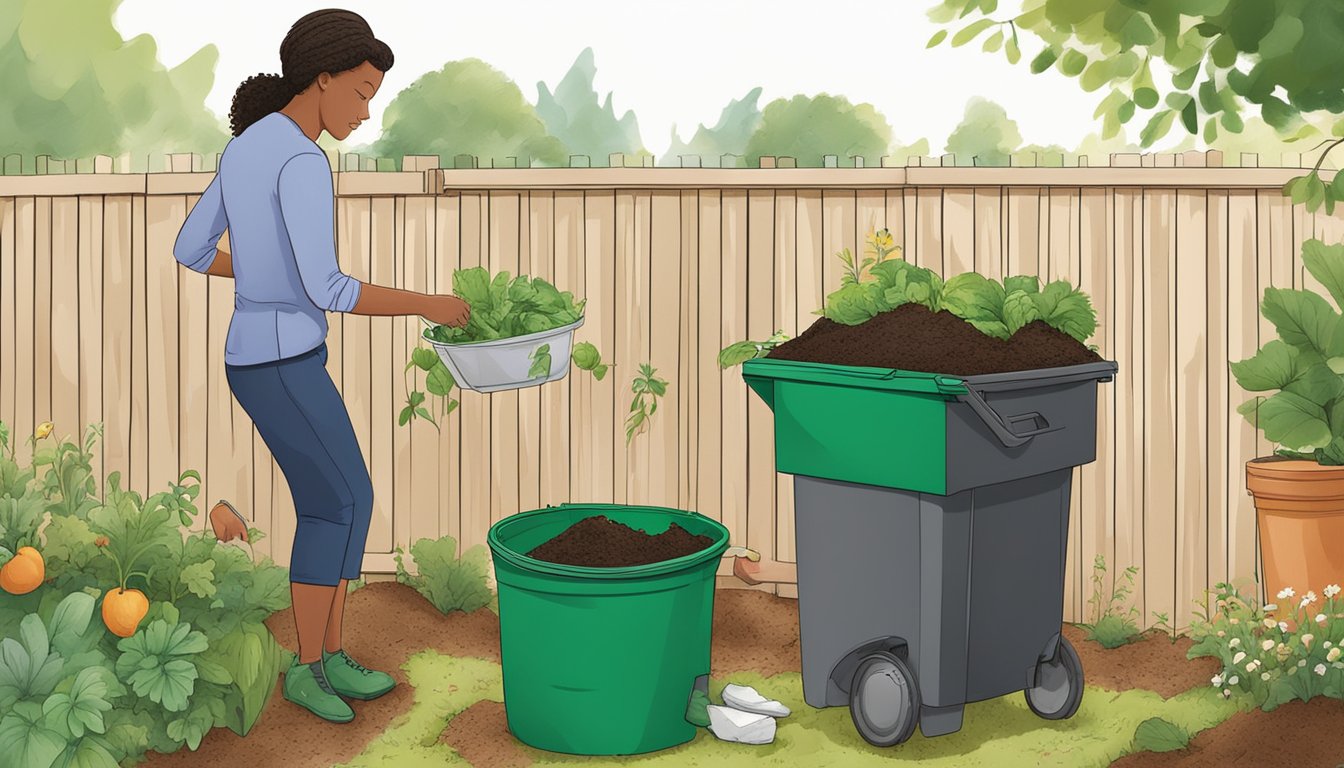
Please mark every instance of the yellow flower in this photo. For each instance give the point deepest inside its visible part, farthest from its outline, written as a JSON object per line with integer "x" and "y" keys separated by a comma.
{"x": 883, "y": 238}
{"x": 43, "y": 430}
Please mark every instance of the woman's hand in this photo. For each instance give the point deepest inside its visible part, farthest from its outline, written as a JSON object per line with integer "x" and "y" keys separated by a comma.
{"x": 447, "y": 310}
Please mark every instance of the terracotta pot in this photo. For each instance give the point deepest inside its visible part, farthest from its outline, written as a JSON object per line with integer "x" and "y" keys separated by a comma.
{"x": 1300, "y": 511}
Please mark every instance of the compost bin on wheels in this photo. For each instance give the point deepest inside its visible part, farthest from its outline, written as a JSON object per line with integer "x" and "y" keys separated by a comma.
{"x": 932, "y": 520}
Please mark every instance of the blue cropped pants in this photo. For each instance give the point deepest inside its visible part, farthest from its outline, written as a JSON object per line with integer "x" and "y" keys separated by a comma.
{"x": 301, "y": 417}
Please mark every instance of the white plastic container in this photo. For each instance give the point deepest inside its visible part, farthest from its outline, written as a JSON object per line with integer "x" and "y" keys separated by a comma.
{"x": 503, "y": 364}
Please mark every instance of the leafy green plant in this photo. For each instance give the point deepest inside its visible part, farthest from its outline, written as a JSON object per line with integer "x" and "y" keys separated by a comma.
{"x": 69, "y": 480}
{"x": 1112, "y": 627}
{"x": 647, "y": 388}
{"x": 742, "y": 351}
{"x": 1304, "y": 367}
{"x": 448, "y": 582}
{"x": 1162, "y": 623}
{"x": 1158, "y": 735}
{"x": 1272, "y": 654}
{"x": 355, "y": 585}
{"x": 586, "y": 358}
{"x": 502, "y": 307}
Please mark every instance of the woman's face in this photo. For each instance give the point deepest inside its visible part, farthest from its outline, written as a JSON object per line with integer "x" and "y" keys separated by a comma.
{"x": 345, "y": 98}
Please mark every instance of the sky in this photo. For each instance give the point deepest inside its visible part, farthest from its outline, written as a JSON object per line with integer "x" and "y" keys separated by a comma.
{"x": 671, "y": 62}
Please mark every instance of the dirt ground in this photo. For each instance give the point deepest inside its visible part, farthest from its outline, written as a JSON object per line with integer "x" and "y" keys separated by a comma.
{"x": 753, "y": 631}
{"x": 1297, "y": 734}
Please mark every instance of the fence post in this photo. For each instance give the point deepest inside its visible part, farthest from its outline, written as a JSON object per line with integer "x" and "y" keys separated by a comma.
{"x": 1213, "y": 158}
{"x": 464, "y": 161}
{"x": 351, "y": 162}
{"x": 580, "y": 161}
{"x": 102, "y": 164}
{"x": 732, "y": 161}
{"x": 830, "y": 161}
{"x": 179, "y": 162}
{"x": 787, "y": 162}
{"x": 856, "y": 160}
{"x": 615, "y": 160}
{"x": 1250, "y": 160}
{"x": 385, "y": 164}
{"x": 13, "y": 165}
{"x": 689, "y": 161}
{"x": 767, "y": 161}
{"x": 504, "y": 162}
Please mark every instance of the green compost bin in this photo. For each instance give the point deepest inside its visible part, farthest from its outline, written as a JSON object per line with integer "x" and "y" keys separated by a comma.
{"x": 602, "y": 661}
{"x": 926, "y": 432}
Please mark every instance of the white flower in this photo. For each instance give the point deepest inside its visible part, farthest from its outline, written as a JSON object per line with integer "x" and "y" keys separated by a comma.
{"x": 1301, "y": 662}
{"x": 1264, "y": 675}
{"x": 1251, "y": 667}
{"x": 1270, "y": 623}
{"x": 1217, "y": 681}
{"x": 1234, "y": 642}
{"x": 1338, "y": 665}
{"x": 1286, "y": 593}
{"x": 1320, "y": 670}
{"x": 1233, "y": 680}
{"x": 1332, "y": 590}
{"x": 1271, "y": 607}
{"x": 1320, "y": 618}
{"x": 1221, "y": 633}
{"x": 1234, "y": 622}
{"x": 1268, "y": 645}
{"x": 1308, "y": 599}
{"x": 1306, "y": 640}
{"x": 1227, "y": 694}
{"x": 1283, "y": 626}
{"x": 1334, "y": 655}
{"x": 1240, "y": 655}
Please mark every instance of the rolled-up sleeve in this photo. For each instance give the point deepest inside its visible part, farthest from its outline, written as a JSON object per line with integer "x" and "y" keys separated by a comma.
{"x": 306, "y": 204}
{"x": 200, "y": 233}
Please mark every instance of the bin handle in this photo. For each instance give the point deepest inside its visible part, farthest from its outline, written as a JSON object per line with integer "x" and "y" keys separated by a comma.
{"x": 1003, "y": 427}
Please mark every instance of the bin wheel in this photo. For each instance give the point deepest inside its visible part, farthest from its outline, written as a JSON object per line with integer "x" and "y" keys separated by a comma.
{"x": 1059, "y": 685}
{"x": 884, "y": 700}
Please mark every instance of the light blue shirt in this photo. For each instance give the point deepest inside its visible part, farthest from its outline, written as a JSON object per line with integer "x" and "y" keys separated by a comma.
{"x": 273, "y": 193}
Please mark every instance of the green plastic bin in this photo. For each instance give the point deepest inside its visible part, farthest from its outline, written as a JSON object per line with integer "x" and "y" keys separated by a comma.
{"x": 602, "y": 661}
{"x": 926, "y": 432}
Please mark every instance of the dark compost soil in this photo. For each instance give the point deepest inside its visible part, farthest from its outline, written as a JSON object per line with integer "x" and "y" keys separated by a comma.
{"x": 1152, "y": 662}
{"x": 599, "y": 542}
{"x": 912, "y": 338}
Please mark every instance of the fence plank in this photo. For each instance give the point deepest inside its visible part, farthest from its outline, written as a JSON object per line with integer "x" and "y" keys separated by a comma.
{"x": 139, "y": 438}
{"x": 762, "y": 498}
{"x": 709, "y": 415}
{"x": 420, "y": 502}
{"x": 530, "y": 426}
{"x": 1024, "y": 237}
{"x": 402, "y": 514}
{"x": 565, "y": 408}
{"x": 25, "y": 314}
{"x": 734, "y": 262}
{"x": 632, "y": 340}
{"x": 1096, "y": 512}
{"x": 383, "y": 270}
{"x": 8, "y": 335}
{"x": 664, "y": 300}
{"x": 166, "y": 215}
{"x": 1129, "y": 385}
{"x": 193, "y": 358}
{"x": 357, "y": 338}
{"x": 503, "y": 253}
{"x": 1217, "y": 408}
{"x": 786, "y": 319}
{"x": 1189, "y": 318}
{"x": 227, "y": 469}
{"x": 959, "y": 231}
{"x": 1160, "y": 498}
{"x": 988, "y": 243}
{"x": 606, "y": 441}
{"x": 64, "y": 321}
{"x": 1059, "y": 258}
{"x": 447, "y": 258}
{"x": 691, "y": 356}
{"x": 476, "y": 451}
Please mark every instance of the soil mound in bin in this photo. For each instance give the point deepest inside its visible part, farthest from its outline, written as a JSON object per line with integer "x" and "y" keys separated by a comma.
{"x": 600, "y": 542}
{"x": 913, "y": 338}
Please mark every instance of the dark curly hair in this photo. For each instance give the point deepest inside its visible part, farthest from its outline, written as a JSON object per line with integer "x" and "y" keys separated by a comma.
{"x": 330, "y": 40}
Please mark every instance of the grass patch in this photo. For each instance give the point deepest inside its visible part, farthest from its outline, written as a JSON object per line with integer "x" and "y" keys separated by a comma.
{"x": 1000, "y": 733}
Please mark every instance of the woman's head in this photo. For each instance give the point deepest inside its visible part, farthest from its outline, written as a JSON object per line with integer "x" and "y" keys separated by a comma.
{"x": 331, "y": 50}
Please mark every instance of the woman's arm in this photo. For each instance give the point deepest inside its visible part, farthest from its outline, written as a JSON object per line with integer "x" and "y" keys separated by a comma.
{"x": 222, "y": 266}
{"x": 306, "y": 203}
{"x": 195, "y": 246}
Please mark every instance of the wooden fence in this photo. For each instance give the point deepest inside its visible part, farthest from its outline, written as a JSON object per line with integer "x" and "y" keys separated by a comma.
{"x": 99, "y": 324}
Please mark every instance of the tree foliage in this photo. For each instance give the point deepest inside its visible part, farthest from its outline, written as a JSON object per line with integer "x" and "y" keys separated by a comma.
{"x": 72, "y": 87}
{"x": 466, "y": 107}
{"x": 985, "y": 135}
{"x": 1282, "y": 59}
{"x": 572, "y": 114}
{"x": 809, "y": 127}
{"x": 738, "y": 121}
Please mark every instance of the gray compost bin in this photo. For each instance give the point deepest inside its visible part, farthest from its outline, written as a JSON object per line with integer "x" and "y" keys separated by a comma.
{"x": 932, "y": 517}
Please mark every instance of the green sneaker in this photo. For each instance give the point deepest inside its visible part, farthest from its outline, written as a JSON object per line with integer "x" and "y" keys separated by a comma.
{"x": 352, "y": 679}
{"x": 307, "y": 686}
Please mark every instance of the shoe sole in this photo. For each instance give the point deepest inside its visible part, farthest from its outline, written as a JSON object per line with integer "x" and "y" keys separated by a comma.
{"x": 369, "y": 697}
{"x": 320, "y": 717}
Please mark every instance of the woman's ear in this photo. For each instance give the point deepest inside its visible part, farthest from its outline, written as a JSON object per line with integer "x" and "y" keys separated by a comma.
{"x": 324, "y": 80}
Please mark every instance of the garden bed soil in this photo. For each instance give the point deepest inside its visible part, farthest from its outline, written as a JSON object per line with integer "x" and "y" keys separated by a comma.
{"x": 913, "y": 338}
{"x": 480, "y": 734}
{"x": 599, "y": 542}
{"x": 1151, "y": 663}
{"x": 386, "y": 623}
{"x": 1298, "y": 734}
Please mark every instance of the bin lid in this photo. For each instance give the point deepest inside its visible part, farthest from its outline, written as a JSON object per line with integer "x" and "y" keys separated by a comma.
{"x": 761, "y": 372}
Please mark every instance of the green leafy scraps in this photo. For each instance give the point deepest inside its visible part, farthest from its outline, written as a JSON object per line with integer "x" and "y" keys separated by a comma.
{"x": 647, "y": 388}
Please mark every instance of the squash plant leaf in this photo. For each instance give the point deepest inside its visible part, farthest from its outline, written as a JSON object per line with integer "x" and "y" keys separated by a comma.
{"x": 541, "y": 362}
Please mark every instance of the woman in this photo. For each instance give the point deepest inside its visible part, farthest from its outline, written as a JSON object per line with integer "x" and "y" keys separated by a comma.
{"x": 273, "y": 193}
